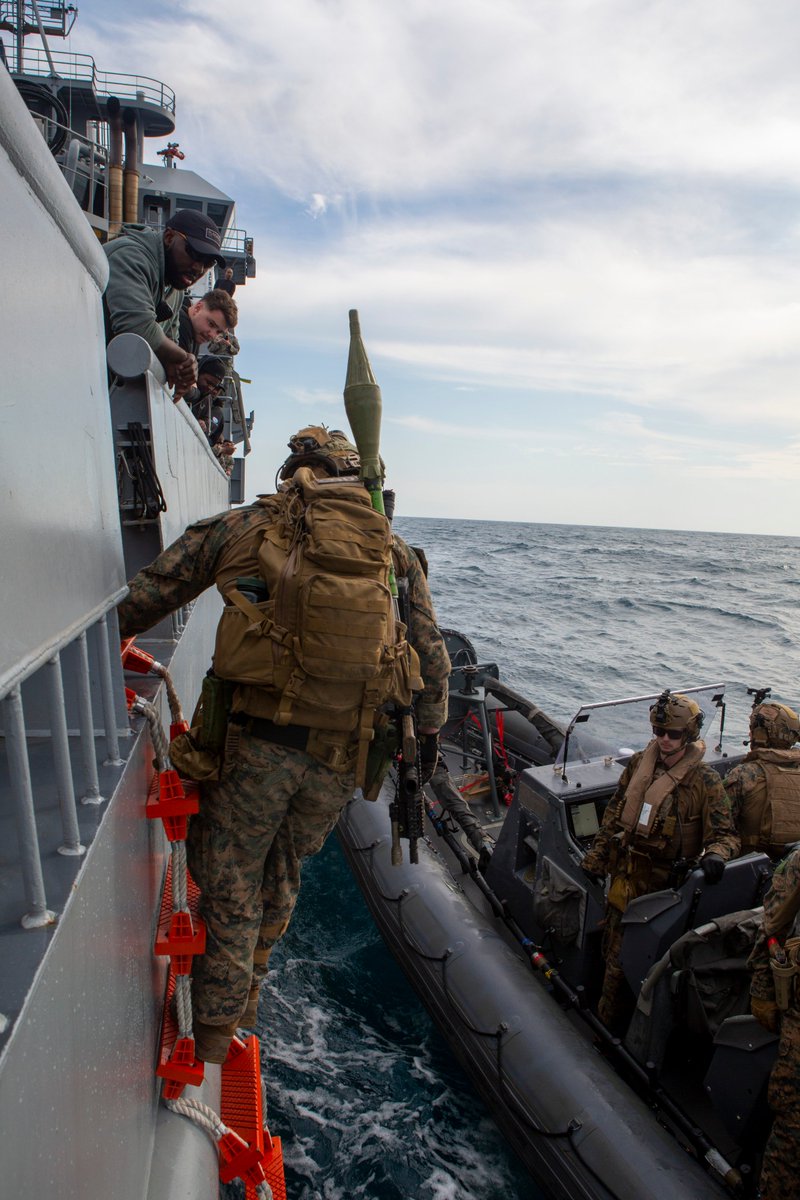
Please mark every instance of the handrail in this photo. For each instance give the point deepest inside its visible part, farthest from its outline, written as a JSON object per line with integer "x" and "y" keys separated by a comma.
{"x": 234, "y": 241}
{"x": 71, "y": 65}
{"x": 102, "y": 624}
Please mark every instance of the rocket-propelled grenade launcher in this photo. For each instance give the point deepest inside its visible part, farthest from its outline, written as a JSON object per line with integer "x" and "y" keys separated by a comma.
{"x": 363, "y": 405}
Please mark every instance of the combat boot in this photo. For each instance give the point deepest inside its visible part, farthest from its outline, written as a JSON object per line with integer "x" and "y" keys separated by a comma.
{"x": 211, "y": 1042}
{"x": 248, "y": 1018}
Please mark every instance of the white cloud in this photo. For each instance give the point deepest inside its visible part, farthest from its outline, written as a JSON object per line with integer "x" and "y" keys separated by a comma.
{"x": 397, "y": 98}
{"x": 564, "y": 307}
{"x": 586, "y": 208}
{"x": 318, "y": 205}
{"x": 314, "y": 397}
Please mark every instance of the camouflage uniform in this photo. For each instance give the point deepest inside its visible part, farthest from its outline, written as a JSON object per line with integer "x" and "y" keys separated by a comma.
{"x": 746, "y": 786}
{"x": 644, "y": 867}
{"x": 779, "y": 1177}
{"x": 272, "y": 806}
{"x": 225, "y": 460}
{"x": 224, "y": 344}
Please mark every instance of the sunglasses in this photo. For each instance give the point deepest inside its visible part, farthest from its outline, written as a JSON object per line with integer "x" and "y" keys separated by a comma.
{"x": 202, "y": 260}
{"x": 674, "y": 735}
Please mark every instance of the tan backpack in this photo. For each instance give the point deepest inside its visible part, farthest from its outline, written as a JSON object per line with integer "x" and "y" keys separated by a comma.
{"x": 325, "y": 650}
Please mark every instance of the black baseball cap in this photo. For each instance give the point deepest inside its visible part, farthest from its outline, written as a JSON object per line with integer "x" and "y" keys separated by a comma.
{"x": 209, "y": 364}
{"x": 200, "y": 232}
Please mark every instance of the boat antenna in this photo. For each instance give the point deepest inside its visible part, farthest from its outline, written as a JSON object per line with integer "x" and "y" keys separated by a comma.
{"x": 719, "y": 700}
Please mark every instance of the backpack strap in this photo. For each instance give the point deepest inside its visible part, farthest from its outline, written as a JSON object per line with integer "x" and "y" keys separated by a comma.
{"x": 260, "y": 620}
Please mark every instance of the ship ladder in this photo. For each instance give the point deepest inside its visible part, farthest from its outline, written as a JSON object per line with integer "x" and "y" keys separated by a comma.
{"x": 245, "y": 1147}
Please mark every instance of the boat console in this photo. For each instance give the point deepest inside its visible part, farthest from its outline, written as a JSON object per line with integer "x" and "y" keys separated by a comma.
{"x": 556, "y": 812}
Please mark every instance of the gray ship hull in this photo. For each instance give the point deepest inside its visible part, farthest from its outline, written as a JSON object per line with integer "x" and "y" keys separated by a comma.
{"x": 81, "y": 994}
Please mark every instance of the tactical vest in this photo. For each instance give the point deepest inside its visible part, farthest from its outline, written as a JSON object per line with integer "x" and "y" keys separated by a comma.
{"x": 325, "y": 650}
{"x": 772, "y": 822}
{"x": 654, "y": 832}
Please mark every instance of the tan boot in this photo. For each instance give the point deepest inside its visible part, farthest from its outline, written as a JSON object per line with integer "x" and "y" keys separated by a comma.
{"x": 211, "y": 1042}
{"x": 250, "y": 1015}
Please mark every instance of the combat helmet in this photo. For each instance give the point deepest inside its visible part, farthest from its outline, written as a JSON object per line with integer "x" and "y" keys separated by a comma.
{"x": 774, "y": 725}
{"x": 673, "y": 710}
{"x": 317, "y": 446}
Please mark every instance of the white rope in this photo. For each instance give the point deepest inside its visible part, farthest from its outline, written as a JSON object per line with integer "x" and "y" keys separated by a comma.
{"x": 183, "y": 1005}
{"x": 173, "y": 700}
{"x": 201, "y": 1114}
{"x": 180, "y": 888}
{"x": 208, "y": 1120}
{"x": 160, "y": 746}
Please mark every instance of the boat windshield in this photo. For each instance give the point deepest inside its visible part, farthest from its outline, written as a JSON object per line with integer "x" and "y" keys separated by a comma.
{"x": 620, "y": 727}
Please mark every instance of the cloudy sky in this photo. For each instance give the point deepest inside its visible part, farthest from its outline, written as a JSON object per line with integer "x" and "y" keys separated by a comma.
{"x": 571, "y": 229}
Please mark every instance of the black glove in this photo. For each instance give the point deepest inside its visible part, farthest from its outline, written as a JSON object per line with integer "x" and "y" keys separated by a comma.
{"x": 428, "y": 756}
{"x": 712, "y": 866}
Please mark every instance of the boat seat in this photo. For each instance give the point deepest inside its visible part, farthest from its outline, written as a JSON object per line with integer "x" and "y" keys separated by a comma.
{"x": 652, "y": 923}
{"x": 736, "y": 1081}
{"x": 699, "y": 984}
{"x": 559, "y": 904}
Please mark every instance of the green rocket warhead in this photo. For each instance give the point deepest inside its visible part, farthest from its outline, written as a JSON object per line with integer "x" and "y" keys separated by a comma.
{"x": 362, "y": 402}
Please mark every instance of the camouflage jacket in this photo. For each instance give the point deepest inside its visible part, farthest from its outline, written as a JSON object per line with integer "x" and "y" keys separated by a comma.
{"x": 748, "y": 793}
{"x": 219, "y": 549}
{"x": 742, "y": 782}
{"x": 699, "y": 796}
{"x": 785, "y": 883}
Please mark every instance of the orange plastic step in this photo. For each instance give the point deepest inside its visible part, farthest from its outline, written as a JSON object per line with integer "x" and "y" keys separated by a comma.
{"x": 242, "y": 1111}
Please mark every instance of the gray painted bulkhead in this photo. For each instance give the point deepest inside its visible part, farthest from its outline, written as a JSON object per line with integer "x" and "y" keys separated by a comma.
{"x": 59, "y": 537}
{"x": 78, "y": 1099}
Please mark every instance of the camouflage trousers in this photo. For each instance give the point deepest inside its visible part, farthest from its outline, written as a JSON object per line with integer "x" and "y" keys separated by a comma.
{"x": 615, "y": 1005}
{"x": 272, "y": 808}
{"x": 779, "y": 1175}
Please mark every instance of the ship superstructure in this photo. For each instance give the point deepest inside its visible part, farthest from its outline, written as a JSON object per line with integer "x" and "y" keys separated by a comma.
{"x": 96, "y": 124}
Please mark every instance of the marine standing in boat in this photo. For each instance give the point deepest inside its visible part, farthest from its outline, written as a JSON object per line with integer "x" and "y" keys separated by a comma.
{"x": 669, "y": 805}
{"x": 307, "y": 654}
{"x": 775, "y": 1003}
{"x": 764, "y": 790}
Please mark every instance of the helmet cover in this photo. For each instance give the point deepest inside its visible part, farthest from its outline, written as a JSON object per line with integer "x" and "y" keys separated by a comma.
{"x": 318, "y": 446}
{"x": 673, "y": 710}
{"x": 775, "y": 725}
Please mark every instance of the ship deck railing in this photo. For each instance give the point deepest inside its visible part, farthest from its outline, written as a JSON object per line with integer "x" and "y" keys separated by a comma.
{"x": 235, "y": 241}
{"x": 83, "y": 162}
{"x": 81, "y": 68}
{"x": 62, "y": 717}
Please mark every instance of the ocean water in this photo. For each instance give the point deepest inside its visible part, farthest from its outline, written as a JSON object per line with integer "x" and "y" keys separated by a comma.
{"x": 361, "y": 1085}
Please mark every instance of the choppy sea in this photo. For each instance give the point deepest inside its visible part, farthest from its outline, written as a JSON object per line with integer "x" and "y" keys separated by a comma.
{"x": 361, "y": 1085}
